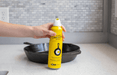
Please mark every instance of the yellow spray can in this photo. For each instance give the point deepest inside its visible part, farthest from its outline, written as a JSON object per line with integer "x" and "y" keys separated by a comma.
{"x": 55, "y": 46}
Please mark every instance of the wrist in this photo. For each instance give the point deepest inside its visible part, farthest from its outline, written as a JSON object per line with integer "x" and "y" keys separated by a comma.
{"x": 31, "y": 31}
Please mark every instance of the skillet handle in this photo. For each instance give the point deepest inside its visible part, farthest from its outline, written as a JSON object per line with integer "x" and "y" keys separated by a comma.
{"x": 28, "y": 43}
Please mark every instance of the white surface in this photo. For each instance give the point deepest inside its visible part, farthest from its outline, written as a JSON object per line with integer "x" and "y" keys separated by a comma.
{"x": 95, "y": 59}
{"x": 115, "y": 8}
{"x": 4, "y": 14}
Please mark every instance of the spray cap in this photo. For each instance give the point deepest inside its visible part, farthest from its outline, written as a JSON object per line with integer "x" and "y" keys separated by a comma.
{"x": 57, "y": 22}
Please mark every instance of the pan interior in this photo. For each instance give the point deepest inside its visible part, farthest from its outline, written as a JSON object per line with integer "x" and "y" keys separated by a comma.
{"x": 43, "y": 47}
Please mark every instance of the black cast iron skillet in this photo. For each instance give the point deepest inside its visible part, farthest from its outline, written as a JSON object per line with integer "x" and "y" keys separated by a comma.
{"x": 39, "y": 52}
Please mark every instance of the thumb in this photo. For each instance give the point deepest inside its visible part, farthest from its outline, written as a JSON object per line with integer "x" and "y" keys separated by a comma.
{"x": 51, "y": 33}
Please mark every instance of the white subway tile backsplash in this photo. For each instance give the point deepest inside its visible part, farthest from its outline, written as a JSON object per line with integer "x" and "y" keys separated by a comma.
{"x": 113, "y": 19}
{"x": 75, "y": 15}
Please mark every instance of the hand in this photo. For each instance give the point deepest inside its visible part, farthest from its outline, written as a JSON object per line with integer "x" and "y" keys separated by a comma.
{"x": 44, "y": 31}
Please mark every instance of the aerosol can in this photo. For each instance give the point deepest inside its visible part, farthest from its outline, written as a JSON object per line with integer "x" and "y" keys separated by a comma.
{"x": 55, "y": 46}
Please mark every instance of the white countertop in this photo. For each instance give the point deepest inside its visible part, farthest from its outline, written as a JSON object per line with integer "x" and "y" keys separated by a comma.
{"x": 95, "y": 59}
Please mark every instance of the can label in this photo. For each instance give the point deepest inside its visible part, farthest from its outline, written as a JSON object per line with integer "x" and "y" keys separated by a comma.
{"x": 57, "y": 37}
{"x": 55, "y": 54}
{"x": 55, "y": 49}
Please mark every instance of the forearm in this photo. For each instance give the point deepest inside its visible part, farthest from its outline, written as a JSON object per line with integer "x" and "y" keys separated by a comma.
{"x": 15, "y": 30}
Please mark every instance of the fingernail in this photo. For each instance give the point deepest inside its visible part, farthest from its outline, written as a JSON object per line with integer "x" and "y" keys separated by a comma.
{"x": 53, "y": 34}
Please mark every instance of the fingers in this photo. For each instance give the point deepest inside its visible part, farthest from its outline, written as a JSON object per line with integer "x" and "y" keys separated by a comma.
{"x": 63, "y": 28}
{"x": 37, "y": 37}
{"x": 50, "y": 25}
{"x": 48, "y": 36}
{"x": 51, "y": 33}
{"x": 63, "y": 36}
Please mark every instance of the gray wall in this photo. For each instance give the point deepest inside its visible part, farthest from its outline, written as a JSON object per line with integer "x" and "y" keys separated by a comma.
{"x": 113, "y": 19}
{"x": 85, "y": 20}
{"x": 76, "y": 15}
{"x": 113, "y": 26}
